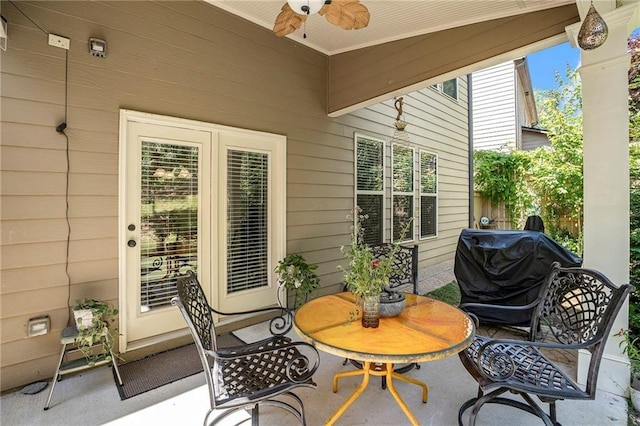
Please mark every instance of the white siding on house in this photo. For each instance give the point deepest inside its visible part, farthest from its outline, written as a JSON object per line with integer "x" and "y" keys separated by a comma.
{"x": 494, "y": 107}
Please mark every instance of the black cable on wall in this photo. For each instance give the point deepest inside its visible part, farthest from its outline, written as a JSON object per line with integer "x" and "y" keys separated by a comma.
{"x": 60, "y": 128}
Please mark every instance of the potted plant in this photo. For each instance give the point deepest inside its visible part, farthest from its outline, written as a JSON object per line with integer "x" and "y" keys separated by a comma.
{"x": 297, "y": 276}
{"x": 631, "y": 347}
{"x": 93, "y": 318}
{"x": 366, "y": 276}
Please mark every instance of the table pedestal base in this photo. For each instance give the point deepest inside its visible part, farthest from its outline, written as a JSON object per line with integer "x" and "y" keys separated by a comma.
{"x": 374, "y": 369}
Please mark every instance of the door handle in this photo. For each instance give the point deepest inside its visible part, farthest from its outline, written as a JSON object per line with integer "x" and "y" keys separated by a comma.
{"x": 131, "y": 243}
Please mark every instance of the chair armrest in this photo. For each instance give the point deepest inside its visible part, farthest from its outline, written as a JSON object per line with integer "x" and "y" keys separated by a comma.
{"x": 278, "y": 326}
{"x": 497, "y": 359}
{"x": 301, "y": 359}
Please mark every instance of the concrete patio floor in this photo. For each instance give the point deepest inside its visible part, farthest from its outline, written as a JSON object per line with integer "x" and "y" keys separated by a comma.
{"x": 91, "y": 398}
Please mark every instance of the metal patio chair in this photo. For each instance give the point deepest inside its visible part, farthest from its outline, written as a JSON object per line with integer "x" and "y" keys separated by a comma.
{"x": 576, "y": 309}
{"x": 246, "y": 376}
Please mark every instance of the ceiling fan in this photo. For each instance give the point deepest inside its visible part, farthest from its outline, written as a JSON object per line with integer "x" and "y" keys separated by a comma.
{"x": 346, "y": 14}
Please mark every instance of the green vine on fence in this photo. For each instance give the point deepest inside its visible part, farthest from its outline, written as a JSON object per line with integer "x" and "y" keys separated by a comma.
{"x": 501, "y": 178}
{"x": 548, "y": 180}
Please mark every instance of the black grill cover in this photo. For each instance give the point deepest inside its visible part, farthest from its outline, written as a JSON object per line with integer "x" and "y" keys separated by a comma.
{"x": 505, "y": 268}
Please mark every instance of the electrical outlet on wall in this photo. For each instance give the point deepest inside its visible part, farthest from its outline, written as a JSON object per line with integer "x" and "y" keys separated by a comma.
{"x": 59, "y": 41}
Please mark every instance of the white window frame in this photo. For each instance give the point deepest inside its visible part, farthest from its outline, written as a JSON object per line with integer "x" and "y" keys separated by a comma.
{"x": 439, "y": 87}
{"x": 428, "y": 194}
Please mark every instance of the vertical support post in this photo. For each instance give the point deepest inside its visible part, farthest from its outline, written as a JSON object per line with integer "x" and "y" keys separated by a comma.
{"x": 603, "y": 72}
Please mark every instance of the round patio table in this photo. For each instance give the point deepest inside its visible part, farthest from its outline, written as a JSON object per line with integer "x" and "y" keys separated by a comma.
{"x": 426, "y": 330}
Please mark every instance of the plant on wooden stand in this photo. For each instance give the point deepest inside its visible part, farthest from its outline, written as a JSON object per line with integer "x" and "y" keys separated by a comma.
{"x": 93, "y": 318}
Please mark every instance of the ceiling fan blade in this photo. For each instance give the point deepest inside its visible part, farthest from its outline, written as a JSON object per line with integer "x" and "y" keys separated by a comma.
{"x": 346, "y": 14}
{"x": 287, "y": 21}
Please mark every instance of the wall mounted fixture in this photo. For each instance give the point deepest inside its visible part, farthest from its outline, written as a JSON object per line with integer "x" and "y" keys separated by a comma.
{"x": 38, "y": 326}
{"x": 593, "y": 31}
{"x": 97, "y": 47}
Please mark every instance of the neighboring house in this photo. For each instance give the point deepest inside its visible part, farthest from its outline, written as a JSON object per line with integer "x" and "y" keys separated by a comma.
{"x": 504, "y": 109}
{"x": 199, "y": 142}
{"x": 503, "y": 113}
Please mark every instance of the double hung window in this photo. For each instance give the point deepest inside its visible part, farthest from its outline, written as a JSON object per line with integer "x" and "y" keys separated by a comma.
{"x": 412, "y": 191}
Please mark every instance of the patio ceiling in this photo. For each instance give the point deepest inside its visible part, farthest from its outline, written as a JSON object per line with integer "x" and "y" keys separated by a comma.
{"x": 412, "y": 44}
{"x": 391, "y": 20}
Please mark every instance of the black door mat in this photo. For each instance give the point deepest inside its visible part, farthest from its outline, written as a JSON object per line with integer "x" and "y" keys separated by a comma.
{"x": 163, "y": 368}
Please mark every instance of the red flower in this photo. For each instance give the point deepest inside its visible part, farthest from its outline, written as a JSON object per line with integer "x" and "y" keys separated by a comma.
{"x": 374, "y": 264}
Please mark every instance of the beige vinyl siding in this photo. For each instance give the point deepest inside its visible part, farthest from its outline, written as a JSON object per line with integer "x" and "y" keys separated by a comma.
{"x": 183, "y": 59}
{"x": 494, "y": 107}
{"x": 438, "y": 124}
{"x": 533, "y": 138}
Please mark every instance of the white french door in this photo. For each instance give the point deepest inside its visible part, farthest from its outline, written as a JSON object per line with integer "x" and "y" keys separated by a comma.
{"x": 200, "y": 197}
{"x": 251, "y": 212}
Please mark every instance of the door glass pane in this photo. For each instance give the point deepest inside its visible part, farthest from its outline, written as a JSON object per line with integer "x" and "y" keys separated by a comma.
{"x": 247, "y": 220}
{"x": 168, "y": 220}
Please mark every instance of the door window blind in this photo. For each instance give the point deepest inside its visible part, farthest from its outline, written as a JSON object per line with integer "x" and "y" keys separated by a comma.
{"x": 247, "y": 220}
{"x": 168, "y": 219}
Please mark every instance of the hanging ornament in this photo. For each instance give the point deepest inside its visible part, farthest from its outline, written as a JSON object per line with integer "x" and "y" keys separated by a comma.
{"x": 593, "y": 31}
{"x": 400, "y": 135}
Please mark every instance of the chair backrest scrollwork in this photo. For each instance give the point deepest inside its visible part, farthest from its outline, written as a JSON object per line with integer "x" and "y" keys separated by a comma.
{"x": 197, "y": 308}
{"x": 579, "y": 307}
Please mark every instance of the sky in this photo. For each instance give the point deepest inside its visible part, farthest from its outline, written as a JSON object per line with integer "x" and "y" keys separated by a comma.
{"x": 544, "y": 63}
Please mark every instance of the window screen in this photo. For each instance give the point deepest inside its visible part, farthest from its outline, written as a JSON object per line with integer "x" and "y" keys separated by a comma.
{"x": 403, "y": 196}
{"x": 450, "y": 87}
{"x": 370, "y": 187}
{"x": 428, "y": 194}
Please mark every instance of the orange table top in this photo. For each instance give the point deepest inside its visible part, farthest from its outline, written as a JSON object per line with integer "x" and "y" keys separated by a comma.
{"x": 426, "y": 330}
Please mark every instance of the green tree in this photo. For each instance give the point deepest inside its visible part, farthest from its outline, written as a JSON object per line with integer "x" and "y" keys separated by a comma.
{"x": 556, "y": 172}
{"x": 548, "y": 180}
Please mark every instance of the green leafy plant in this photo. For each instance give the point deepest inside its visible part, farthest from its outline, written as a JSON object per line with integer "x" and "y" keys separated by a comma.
{"x": 93, "y": 318}
{"x": 501, "y": 178}
{"x": 366, "y": 275}
{"x": 297, "y": 276}
{"x": 631, "y": 347}
{"x": 634, "y": 222}
{"x": 548, "y": 180}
